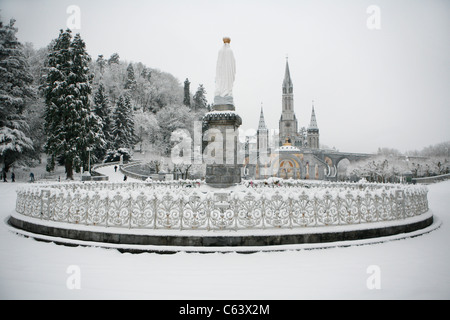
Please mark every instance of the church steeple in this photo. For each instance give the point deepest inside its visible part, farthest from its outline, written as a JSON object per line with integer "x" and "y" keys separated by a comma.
{"x": 288, "y": 121}
{"x": 262, "y": 122}
{"x": 313, "y": 131}
{"x": 288, "y": 86}
{"x": 313, "y": 122}
{"x": 262, "y": 137}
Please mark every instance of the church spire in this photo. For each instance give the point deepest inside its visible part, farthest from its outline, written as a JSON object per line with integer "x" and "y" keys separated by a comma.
{"x": 287, "y": 82}
{"x": 262, "y": 122}
{"x": 313, "y": 131}
{"x": 313, "y": 122}
{"x": 288, "y": 122}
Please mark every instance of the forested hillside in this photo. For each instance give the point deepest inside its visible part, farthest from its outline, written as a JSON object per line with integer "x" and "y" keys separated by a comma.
{"x": 134, "y": 106}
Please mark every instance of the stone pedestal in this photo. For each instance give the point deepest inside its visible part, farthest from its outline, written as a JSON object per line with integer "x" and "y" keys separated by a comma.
{"x": 222, "y": 169}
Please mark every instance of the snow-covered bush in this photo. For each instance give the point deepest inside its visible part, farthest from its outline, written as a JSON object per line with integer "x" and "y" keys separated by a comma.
{"x": 114, "y": 155}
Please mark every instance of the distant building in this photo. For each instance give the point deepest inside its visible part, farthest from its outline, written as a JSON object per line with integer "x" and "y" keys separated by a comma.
{"x": 295, "y": 153}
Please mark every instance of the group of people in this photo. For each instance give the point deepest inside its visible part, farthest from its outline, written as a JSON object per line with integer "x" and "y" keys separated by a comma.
{"x": 4, "y": 176}
{"x": 124, "y": 177}
{"x": 13, "y": 176}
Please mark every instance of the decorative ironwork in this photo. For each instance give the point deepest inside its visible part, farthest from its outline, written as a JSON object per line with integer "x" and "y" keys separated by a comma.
{"x": 144, "y": 205}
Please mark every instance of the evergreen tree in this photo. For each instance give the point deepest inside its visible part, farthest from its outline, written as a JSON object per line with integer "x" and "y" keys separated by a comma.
{"x": 101, "y": 64}
{"x": 15, "y": 91}
{"x": 114, "y": 59}
{"x": 130, "y": 83}
{"x": 169, "y": 119}
{"x": 103, "y": 110}
{"x": 72, "y": 128}
{"x": 146, "y": 73}
{"x": 123, "y": 124}
{"x": 187, "y": 94}
{"x": 199, "y": 98}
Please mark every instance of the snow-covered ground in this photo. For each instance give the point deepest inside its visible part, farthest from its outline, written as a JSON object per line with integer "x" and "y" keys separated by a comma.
{"x": 413, "y": 268}
{"x": 114, "y": 176}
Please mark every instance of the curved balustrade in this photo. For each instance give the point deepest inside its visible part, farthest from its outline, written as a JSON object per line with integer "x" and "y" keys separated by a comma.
{"x": 173, "y": 206}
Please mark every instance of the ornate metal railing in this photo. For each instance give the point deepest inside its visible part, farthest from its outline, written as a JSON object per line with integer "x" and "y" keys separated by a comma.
{"x": 156, "y": 206}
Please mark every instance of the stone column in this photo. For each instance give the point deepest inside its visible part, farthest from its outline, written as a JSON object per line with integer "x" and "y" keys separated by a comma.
{"x": 222, "y": 169}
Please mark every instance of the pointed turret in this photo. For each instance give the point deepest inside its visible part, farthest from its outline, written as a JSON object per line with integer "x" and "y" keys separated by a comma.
{"x": 262, "y": 122}
{"x": 288, "y": 121}
{"x": 313, "y": 122}
{"x": 262, "y": 142}
{"x": 313, "y": 131}
{"x": 287, "y": 82}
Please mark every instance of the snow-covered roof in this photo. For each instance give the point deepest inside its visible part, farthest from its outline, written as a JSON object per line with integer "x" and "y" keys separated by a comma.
{"x": 287, "y": 148}
{"x": 219, "y": 115}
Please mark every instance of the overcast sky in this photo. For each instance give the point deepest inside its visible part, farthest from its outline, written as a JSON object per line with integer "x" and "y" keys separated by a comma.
{"x": 382, "y": 87}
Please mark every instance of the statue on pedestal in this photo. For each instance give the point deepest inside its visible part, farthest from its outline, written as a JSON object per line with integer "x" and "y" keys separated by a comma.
{"x": 222, "y": 123}
{"x": 225, "y": 75}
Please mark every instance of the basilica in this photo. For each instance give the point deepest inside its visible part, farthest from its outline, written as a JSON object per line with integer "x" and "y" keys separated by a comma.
{"x": 292, "y": 153}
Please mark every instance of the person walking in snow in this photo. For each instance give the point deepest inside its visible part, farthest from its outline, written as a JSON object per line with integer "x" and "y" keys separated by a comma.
{"x": 31, "y": 177}
{"x": 13, "y": 177}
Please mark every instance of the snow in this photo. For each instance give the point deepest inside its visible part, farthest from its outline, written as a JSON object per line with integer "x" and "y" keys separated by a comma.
{"x": 221, "y": 113}
{"x": 113, "y": 175}
{"x": 412, "y": 268}
{"x": 287, "y": 149}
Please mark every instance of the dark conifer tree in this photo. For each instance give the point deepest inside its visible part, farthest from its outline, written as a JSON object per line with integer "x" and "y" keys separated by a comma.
{"x": 114, "y": 59}
{"x": 103, "y": 110}
{"x": 71, "y": 126}
{"x": 199, "y": 99}
{"x": 15, "y": 89}
{"x": 123, "y": 124}
{"x": 187, "y": 94}
{"x": 130, "y": 83}
{"x": 101, "y": 63}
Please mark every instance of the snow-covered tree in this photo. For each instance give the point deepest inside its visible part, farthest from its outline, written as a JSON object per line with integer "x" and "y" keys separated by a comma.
{"x": 71, "y": 126}
{"x": 146, "y": 73}
{"x": 164, "y": 90}
{"x": 171, "y": 118}
{"x": 437, "y": 150}
{"x": 388, "y": 152}
{"x": 441, "y": 165}
{"x": 33, "y": 115}
{"x": 199, "y": 99}
{"x": 130, "y": 83}
{"x": 37, "y": 59}
{"x": 187, "y": 93}
{"x": 15, "y": 89}
{"x": 123, "y": 124}
{"x": 116, "y": 155}
{"x": 103, "y": 110}
{"x": 430, "y": 166}
{"x": 114, "y": 59}
{"x": 101, "y": 64}
{"x": 380, "y": 168}
{"x": 146, "y": 128}
{"x": 151, "y": 89}
{"x": 34, "y": 110}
